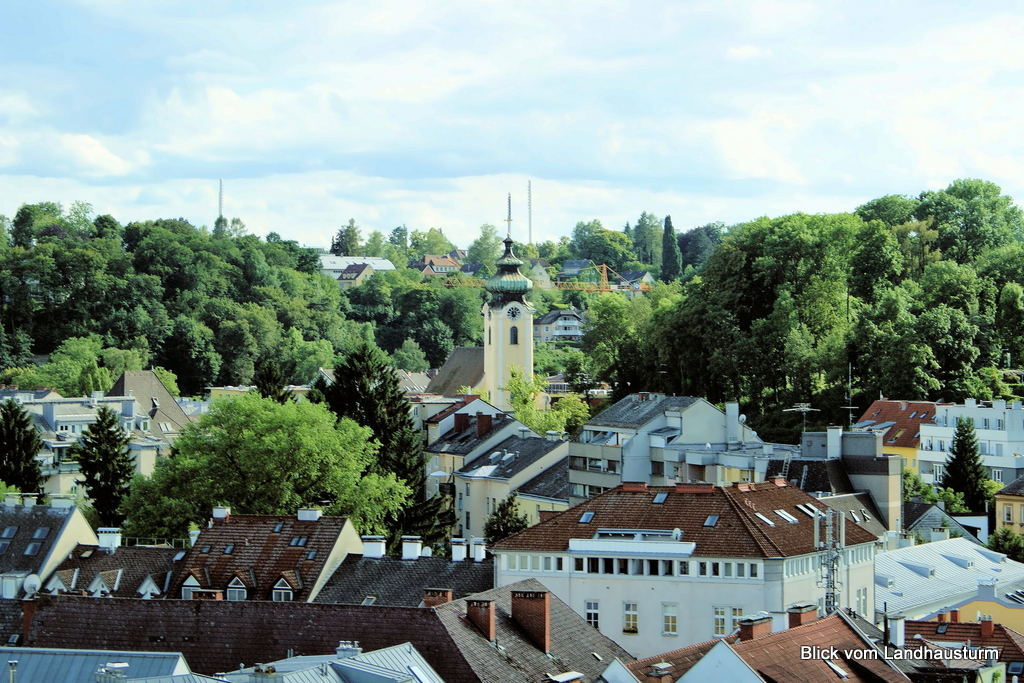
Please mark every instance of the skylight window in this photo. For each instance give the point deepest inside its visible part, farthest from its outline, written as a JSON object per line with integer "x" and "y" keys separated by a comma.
{"x": 33, "y": 548}
{"x": 369, "y": 599}
{"x": 205, "y": 550}
{"x": 913, "y": 414}
{"x": 587, "y": 516}
{"x": 4, "y": 545}
{"x": 923, "y": 415}
{"x": 294, "y": 541}
{"x": 788, "y": 517}
{"x": 41, "y": 533}
{"x": 865, "y": 513}
{"x": 764, "y": 519}
{"x": 9, "y": 532}
{"x": 712, "y": 520}
{"x": 229, "y": 549}
{"x": 835, "y": 667}
{"x": 853, "y": 514}
{"x": 942, "y": 628}
{"x": 278, "y": 527}
{"x": 807, "y": 510}
{"x": 311, "y": 555}
{"x": 660, "y": 498}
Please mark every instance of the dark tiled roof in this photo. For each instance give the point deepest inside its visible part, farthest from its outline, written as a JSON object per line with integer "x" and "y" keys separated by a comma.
{"x": 137, "y": 563}
{"x": 354, "y": 271}
{"x": 1014, "y": 488}
{"x": 1009, "y": 642}
{"x": 828, "y": 476}
{"x": 10, "y": 618}
{"x": 464, "y": 442}
{"x": 926, "y": 516}
{"x": 147, "y": 389}
{"x": 739, "y": 532}
{"x": 464, "y": 368}
{"x": 904, "y": 432}
{"x": 471, "y": 268}
{"x": 853, "y": 506}
{"x": 633, "y": 413}
{"x": 400, "y": 583}
{"x": 551, "y": 316}
{"x": 260, "y": 553}
{"x": 36, "y": 394}
{"x": 551, "y": 483}
{"x": 27, "y": 521}
{"x": 525, "y": 452}
{"x": 633, "y": 275}
{"x": 572, "y": 641}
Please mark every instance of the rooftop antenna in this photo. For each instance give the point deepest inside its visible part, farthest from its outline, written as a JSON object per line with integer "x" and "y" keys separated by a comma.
{"x": 802, "y": 408}
{"x": 220, "y": 202}
{"x": 529, "y": 213}
{"x": 509, "y": 219}
{"x": 831, "y": 553}
{"x": 849, "y": 407}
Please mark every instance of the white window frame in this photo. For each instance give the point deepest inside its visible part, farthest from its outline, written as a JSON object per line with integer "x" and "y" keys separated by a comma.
{"x": 236, "y": 591}
{"x": 669, "y": 619}
{"x": 630, "y": 617}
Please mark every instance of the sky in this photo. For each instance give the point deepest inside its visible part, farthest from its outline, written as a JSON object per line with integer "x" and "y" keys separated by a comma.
{"x": 428, "y": 114}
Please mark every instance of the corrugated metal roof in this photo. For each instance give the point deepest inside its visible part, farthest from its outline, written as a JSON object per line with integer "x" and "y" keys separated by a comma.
{"x": 44, "y": 665}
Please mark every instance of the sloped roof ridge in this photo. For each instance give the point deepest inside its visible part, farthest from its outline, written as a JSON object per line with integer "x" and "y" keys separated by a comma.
{"x": 756, "y": 533}
{"x": 654, "y": 659}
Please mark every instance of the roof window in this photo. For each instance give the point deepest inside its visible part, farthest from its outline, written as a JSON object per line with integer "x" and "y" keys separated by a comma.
{"x": 278, "y": 527}
{"x": 853, "y": 513}
{"x": 229, "y": 549}
{"x": 764, "y": 519}
{"x": 311, "y": 555}
{"x": 369, "y": 599}
{"x": 9, "y": 532}
{"x": 807, "y": 510}
{"x": 865, "y": 513}
{"x": 712, "y": 520}
{"x": 298, "y": 541}
{"x": 913, "y": 414}
{"x": 923, "y": 415}
{"x": 788, "y": 517}
{"x": 205, "y": 550}
{"x": 33, "y": 548}
{"x": 660, "y": 498}
{"x": 835, "y": 667}
{"x": 41, "y": 533}
{"x": 4, "y": 545}
{"x": 587, "y": 516}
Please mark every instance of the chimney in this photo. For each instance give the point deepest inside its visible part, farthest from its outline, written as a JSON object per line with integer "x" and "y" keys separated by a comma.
{"x": 61, "y": 501}
{"x": 898, "y": 631}
{"x": 552, "y": 435}
{"x": 532, "y": 611}
{"x": 988, "y": 627}
{"x": 461, "y": 422}
{"x": 193, "y": 536}
{"x": 479, "y": 550}
{"x": 481, "y": 613}
{"x": 432, "y": 597}
{"x": 128, "y": 408}
{"x": 483, "y": 424}
{"x": 954, "y": 616}
{"x": 310, "y": 514}
{"x": 498, "y": 417}
{"x": 802, "y": 614}
{"x": 643, "y": 396}
{"x": 524, "y": 432}
{"x": 458, "y": 549}
{"x": 545, "y": 515}
{"x": 660, "y": 673}
{"x": 411, "y": 547}
{"x": 634, "y": 486}
{"x": 834, "y": 442}
{"x": 755, "y": 627}
{"x": 50, "y": 415}
{"x": 768, "y": 449}
{"x": 29, "y": 499}
{"x": 732, "y": 422}
{"x": 12, "y": 499}
{"x": 373, "y": 546}
{"x": 348, "y": 648}
{"x": 221, "y": 512}
{"x": 110, "y": 539}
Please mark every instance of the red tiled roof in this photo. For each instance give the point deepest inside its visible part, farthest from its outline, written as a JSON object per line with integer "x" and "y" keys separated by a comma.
{"x": 1009, "y": 643}
{"x": 738, "y": 532}
{"x": 259, "y": 555}
{"x": 682, "y": 660}
{"x": 906, "y": 432}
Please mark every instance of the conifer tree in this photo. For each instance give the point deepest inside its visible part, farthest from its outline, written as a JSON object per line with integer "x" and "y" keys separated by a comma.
{"x": 19, "y": 446}
{"x": 106, "y": 464}
{"x": 964, "y": 469}
{"x": 671, "y": 257}
{"x": 505, "y": 521}
{"x": 269, "y": 381}
{"x": 366, "y": 389}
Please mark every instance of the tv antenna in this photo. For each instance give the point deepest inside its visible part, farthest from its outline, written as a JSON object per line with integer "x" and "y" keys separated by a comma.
{"x": 509, "y": 219}
{"x": 220, "y": 200}
{"x": 803, "y": 408}
{"x": 529, "y": 211}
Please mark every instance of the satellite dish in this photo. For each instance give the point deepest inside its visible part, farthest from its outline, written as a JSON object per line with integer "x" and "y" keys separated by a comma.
{"x": 677, "y": 534}
{"x": 32, "y": 584}
{"x": 743, "y": 419}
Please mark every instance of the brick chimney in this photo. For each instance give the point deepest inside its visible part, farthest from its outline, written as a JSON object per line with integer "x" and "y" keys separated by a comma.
{"x": 532, "y": 611}
{"x": 461, "y": 422}
{"x": 954, "y": 616}
{"x": 942, "y": 617}
{"x": 481, "y": 613}
{"x": 483, "y": 424}
{"x": 988, "y": 627}
{"x": 634, "y": 486}
{"x": 802, "y": 614}
{"x": 755, "y": 628}
{"x": 432, "y": 597}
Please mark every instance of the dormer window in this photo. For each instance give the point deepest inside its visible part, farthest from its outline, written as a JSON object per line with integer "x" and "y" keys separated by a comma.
{"x": 236, "y": 590}
{"x": 282, "y": 592}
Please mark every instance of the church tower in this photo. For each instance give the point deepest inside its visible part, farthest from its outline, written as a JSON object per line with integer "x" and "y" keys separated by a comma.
{"x": 508, "y": 325}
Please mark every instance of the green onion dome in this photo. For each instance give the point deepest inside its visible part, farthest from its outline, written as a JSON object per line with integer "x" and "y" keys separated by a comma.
{"x": 508, "y": 283}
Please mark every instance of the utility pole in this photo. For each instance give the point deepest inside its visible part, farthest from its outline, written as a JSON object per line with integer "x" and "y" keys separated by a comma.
{"x": 220, "y": 202}
{"x": 529, "y": 211}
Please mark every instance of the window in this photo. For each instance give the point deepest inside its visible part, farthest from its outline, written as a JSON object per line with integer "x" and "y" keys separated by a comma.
{"x": 593, "y": 565}
{"x": 311, "y": 555}
{"x": 578, "y": 564}
{"x": 629, "y": 618}
{"x": 684, "y": 568}
{"x": 666, "y": 567}
{"x": 488, "y": 335}
{"x": 712, "y": 520}
{"x": 728, "y": 569}
{"x": 741, "y": 570}
{"x": 613, "y": 466}
{"x": 467, "y": 490}
{"x": 460, "y": 501}
{"x": 593, "y": 618}
{"x": 513, "y": 335}
{"x": 236, "y": 590}
{"x": 984, "y": 423}
{"x": 368, "y": 600}
{"x": 282, "y": 596}
{"x": 715, "y": 569}
{"x": 205, "y": 550}
{"x": 41, "y": 533}
{"x": 668, "y": 619}
{"x": 468, "y": 527}
{"x": 737, "y": 614}
{"x": 609, "y": 565}
{"x": 997, "y": 475}
{"x": 230, "y": 548}
{"x": 587, "y": 516}
{"x": 9, "y": 532}
{"x": 636, "y": 567}
{"x": 278, "y": 527}
{"x": 33, "y": 548}
{"x": 547, "y": 563}
{"x": 702, "y": 568}
{"x": 558, "y": 564}
{"x": 623, "y": 566}
{"x": 652, "y": 568}
{"x": 657, "y": 468}
{"x": 862, "y": 601}
{"x": 999, "y": 425}
{"x": 4, "y": 545}
{"x": 753, "y": 570}
{"x": 719, "y": 621}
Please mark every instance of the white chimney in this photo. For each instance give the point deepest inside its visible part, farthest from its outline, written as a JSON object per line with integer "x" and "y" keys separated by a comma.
{"x": 834, "y": 443}
{"x": 768, "y": 448}
{"x": 458, "y": 549}
{"x": 898, "y": 631}
{"x": 348, "y": 648}
{"x": 310, "y": 514}
{"x": 411, "y": 547}
{"x": 373, "y": 546}
{"x": 732, "y": 421}
{"x": 29, "y": 499}
{"x": 110, "y": 538}
{"x": 553, "y": 435}
{"x": 479, "y": 550}
{"x": 221, "y": 512}
{"x": 60, "y": 501}
{"x": 193, "y": 536}
{"x": 12, "y": 499}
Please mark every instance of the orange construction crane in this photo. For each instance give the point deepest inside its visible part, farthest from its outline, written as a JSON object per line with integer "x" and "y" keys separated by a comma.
{"x": 616, "y": 283}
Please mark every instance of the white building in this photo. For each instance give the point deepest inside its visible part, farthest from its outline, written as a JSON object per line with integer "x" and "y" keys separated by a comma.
{"x": 659, "y": 568}
{"x": 333, "y": 266}
{"x": 999, "y": 427}
{"x": 558, "y": 325}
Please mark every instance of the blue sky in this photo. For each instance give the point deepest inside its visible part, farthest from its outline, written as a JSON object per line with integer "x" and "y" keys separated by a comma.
{"x": 428, "y": 113}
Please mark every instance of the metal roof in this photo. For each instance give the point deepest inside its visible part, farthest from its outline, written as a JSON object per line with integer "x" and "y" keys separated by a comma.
{"x": 46, "y": 665}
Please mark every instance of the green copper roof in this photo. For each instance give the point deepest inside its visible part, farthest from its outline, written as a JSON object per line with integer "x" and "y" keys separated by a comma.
{"x": 508, "y": 280}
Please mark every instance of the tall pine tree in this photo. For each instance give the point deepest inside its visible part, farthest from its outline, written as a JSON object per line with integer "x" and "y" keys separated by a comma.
{"x": 19, "y": 446}
{"x": 366, "y": 389}
{"x": 964, "y": 469}
{"x": 505, "y": 520}
{"x": 106, "y": 464}
{"x": 671, "y": 257}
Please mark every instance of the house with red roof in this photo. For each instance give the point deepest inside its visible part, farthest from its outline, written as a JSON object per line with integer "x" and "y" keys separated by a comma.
{"x": 899, "y": 422}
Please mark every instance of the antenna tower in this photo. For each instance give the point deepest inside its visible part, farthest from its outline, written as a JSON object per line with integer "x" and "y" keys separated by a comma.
{"x": 529, "y": 212}
{"x": 220, "y": 201}
{"x": 803, "y": 408}
{"x": 831, "y": 550}
{"x": 509, "y": 219}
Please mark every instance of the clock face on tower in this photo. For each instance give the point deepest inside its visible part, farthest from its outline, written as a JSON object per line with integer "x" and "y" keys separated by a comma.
{"x": 513, "y": 313}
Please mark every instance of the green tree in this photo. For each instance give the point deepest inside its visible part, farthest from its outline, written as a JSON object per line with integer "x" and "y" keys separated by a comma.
{"x": 486, "y": 249}
{"x": 567, "y": 415}
{"x": 432, "y": 241}
{"x": 971, "y": 216}
{"x": 671, "y": 257}
{"x": 106, "y": 464}
{"x": 262, "y": 457}
{"x": 876, "y": 263}
{"x": 964, "y": 469}
{"x": 1005, "y": 540}
{"x": 892, "y": 209}
{"x": 410, "y": 357}
{"x": 374, "y": 244}
{"x": 269, "y": 381}
{"x": 168, "y": 379}
{"x": 19, "y": 446}
{"x": 505, "y": 520}
{"x": 366, "y": 390}
{"x": 647, "y": 239}
{"x": 348, "y": 240}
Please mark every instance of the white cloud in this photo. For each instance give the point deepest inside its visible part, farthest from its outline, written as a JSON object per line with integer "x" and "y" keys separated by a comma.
{"x": 94, "y": 157}
{"x": 745, "y": 52}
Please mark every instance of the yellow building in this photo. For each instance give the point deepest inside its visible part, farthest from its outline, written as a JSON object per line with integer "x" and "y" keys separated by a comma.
{"x": 1010, "y": 506}
{"x": 508, "y": 328}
